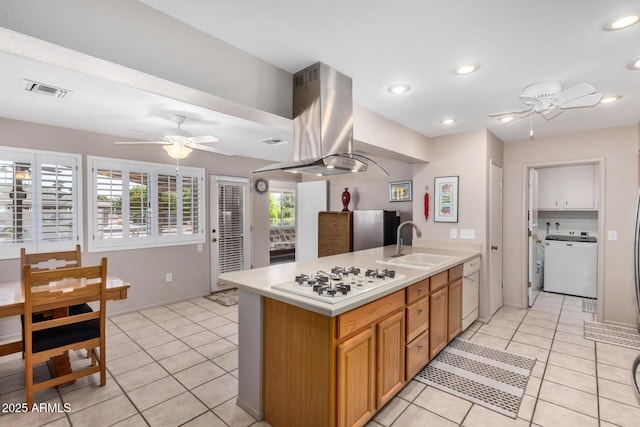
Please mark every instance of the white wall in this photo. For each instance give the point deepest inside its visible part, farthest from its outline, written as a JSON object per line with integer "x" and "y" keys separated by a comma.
{"x": 467, "y": 156}
{"x": 618, "y": 149}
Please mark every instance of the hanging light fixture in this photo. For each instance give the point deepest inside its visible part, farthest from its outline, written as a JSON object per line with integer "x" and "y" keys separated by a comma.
{"x": 177, "y": 151}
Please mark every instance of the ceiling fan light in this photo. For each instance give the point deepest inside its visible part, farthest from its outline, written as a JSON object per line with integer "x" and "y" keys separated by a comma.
{"x": 507, "y": 119}
{"x": 621, "y": 22}
{"x": 448, "y": 121}
{"x": 177, "y": 151}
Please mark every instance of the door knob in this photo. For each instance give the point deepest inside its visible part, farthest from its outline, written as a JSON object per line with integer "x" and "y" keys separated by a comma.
{"x": 494, "y": 247}
{"x": 214, "y": 240}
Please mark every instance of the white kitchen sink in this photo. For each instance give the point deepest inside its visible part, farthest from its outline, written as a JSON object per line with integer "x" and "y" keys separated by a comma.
{"x": 417, "y": 260}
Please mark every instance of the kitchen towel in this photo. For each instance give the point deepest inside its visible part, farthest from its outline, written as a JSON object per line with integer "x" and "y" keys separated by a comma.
{"x": 489, "y": 377}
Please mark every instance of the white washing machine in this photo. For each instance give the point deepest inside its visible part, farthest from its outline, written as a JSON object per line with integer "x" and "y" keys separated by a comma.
{"x": 571, "y": 264}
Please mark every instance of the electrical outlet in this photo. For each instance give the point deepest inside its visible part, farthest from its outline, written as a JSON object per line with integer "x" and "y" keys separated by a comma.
{"x": 169, "y": 277}
{"x": 468, "y": 233}
{"x": 199, "y": 247}
{"x": 612, "y": 235}
{"x": 453, "y": 233}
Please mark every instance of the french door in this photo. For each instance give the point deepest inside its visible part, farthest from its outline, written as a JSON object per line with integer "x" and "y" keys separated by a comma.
{"x": 229, "y": 233}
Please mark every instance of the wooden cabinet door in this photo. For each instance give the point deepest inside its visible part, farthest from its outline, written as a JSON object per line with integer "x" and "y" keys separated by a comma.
{"x": 455, "y": 309}
{"x": 417, "y": 355}
{"x": 357, "y": 379}
{"x": 438, "y": 318}
{"x": 390, "y": 357}
{"x": 417, "y": 318}
{"x": 335, "y": 233}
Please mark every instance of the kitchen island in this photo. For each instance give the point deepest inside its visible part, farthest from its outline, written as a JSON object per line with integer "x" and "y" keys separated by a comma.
{"x": 315, "y": 361}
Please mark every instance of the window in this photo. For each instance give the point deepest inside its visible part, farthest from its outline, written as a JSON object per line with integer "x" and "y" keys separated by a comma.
{"x": 282, "y": 209}
{"x": 138, "y": 204}
{"x": 39, "y": 201}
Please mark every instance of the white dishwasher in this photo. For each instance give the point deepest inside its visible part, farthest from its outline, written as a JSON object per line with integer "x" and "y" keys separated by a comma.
{"x": 470, "y": 291}
{"x": 571, "y": 265}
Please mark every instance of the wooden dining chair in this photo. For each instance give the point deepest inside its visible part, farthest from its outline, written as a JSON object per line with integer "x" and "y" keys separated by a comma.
{"x": 45, "y": 261}
{"x": 51, "y": 289}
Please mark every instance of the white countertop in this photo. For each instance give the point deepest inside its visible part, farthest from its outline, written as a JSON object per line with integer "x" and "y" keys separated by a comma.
{"x": 261, "y": 280}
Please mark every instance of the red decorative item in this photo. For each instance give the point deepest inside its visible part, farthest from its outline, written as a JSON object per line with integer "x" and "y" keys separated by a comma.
{"x": 426, "y": 206}
{"x": 346, "y": 198}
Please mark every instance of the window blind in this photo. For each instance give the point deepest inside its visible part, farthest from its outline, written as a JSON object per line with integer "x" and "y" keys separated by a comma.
{"x": 231, "y": 224}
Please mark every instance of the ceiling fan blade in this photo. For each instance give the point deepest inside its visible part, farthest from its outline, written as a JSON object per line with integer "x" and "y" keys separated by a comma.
{"x": 140, "y": 142}
{"x": 511, "y": 113}
{"x": 147, "y": 134}
{"x": 575, "y": 92}
{"x": 551, "y": 113}
{"x": 585, "y": 101}
{"x": 529, "y": 100}
{"x": 204, "y": 139}
{"x": 211, "y": 149}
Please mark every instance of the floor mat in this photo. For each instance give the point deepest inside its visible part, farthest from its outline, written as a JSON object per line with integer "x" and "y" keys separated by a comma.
{"x": 491, "y": 378}
{"x": 228, "y": 297}
{"x": 589, "y": 306}
{"x": 612, "y": 334}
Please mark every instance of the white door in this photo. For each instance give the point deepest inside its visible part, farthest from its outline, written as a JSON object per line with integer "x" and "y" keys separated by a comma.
{"x": 229, "y": 233}
{"x": 532, "y": 219}
{"x": 495, "y": 239}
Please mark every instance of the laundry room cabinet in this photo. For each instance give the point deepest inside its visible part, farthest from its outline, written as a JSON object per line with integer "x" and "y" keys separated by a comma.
{"x": 567, "y": 188}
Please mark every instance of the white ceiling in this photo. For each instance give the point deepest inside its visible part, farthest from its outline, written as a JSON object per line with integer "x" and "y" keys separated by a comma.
{"x": 377, "y": 43}
{"x": 421, "y": 42}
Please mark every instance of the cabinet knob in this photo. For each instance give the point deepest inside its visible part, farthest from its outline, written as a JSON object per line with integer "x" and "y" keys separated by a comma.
{"x": 420, "y": 290}
{"x": 494, "y": 247}
{"x": 420, "y": 309}
{"x": 420, "y": 346}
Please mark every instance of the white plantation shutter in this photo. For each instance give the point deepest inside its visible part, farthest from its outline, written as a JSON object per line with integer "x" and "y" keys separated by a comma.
{"x": 231, "y": 223}
{"x": 40, "y": 206}
{"x": 58, "y": 201}
{"x": 139, "y": 204}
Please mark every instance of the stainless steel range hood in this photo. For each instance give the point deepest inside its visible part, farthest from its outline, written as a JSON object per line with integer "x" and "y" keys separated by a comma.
{"x": 323, "y": 126}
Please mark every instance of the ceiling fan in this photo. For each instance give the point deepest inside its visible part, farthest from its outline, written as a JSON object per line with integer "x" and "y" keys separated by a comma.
{"x": 549, "y": 99}
{"x": 178, "y": 143}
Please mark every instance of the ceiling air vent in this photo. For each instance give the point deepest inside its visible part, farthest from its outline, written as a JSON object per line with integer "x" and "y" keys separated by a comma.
{"x": 274, "y": 141}
{"x": 42, "y": 89}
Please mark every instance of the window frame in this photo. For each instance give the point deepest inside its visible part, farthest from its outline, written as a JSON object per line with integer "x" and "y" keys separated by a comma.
{"x": 154, "y": 238}
{"x": 36, "y": 159}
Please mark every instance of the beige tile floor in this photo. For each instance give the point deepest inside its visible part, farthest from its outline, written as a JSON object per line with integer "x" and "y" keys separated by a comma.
{"x": 177, "y": 365}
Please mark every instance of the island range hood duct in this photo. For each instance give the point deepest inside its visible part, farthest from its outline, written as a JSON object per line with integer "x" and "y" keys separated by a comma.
{"x": 323, "y": 127}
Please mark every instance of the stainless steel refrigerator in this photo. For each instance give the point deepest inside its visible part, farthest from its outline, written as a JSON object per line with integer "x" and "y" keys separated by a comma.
{"x": 373, "y": 228}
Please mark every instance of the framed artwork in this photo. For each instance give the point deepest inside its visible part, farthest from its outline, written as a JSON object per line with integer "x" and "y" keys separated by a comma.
{"x": 446, "y": 199}
{"x": 400, "y": 191}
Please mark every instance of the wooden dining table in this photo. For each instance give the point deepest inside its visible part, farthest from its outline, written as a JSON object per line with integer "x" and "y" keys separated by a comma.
{"x": 12, "y": 304}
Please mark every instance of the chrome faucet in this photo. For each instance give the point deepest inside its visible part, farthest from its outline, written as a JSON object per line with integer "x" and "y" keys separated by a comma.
{"x": 399, "y": 239}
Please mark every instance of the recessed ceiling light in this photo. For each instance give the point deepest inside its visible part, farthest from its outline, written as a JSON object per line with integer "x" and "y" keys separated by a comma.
{"x": 634, "y": 65}
{"x": 466, "y": 69}
{"x": 448, "y": 121}
{"x": 274, "y": 141}
{"x": 399, "y": 89}
{"x": 507, "y": 119}
{"x": 609, "y": 99}
{"x": 621, "y": 22}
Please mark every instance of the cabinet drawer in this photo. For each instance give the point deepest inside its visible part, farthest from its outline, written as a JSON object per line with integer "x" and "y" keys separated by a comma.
{"x": 417, "y": 355}
{"x": 417, "y": 290}
{"x": 439, "y": 280}
{"x": 455, "y": 273}
{"x": 417, "y": 318}
{"x": 356, "y": 319}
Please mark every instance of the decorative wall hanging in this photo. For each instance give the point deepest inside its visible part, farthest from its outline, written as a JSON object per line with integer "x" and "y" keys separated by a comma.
{"x": 400, "y": 191}
{"x": 446, "y": 199}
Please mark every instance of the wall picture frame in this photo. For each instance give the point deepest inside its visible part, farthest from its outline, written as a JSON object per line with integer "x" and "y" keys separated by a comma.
{"x": 446, "y": 199}
{"x": 400, "y": 191}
